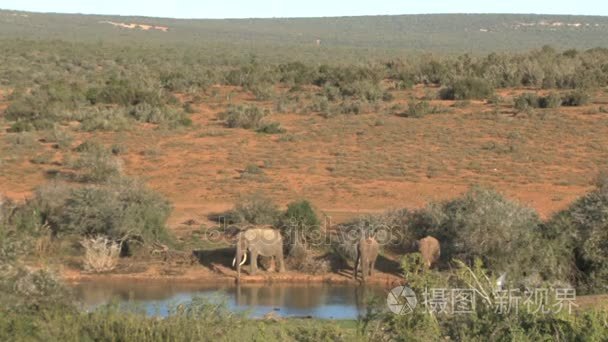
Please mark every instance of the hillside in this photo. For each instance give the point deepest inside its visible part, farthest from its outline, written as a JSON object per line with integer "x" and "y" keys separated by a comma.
{"x": 372, "y": 35}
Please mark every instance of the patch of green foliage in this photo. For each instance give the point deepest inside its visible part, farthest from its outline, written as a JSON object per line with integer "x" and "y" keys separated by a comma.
{"x": 485, "y": 322}
{"x": 248, "y": 117}
{"x": 255, "y": 209}
{"x": 468, "y": 88}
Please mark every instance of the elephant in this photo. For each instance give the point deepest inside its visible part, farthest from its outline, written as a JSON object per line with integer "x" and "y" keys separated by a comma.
{"x": 367, "y": 252}
{"x": 258, "y": 241}
{"x": 430, "y": 250}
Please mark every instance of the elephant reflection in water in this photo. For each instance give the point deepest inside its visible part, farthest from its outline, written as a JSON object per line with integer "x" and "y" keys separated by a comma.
{"x": 363, "y": 296}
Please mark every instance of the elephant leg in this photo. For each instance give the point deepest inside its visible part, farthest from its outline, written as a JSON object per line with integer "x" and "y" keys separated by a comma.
{"x": 280, "y": 261}
{"x": 254, "y": 263}
{"x": 364, "y": 270}
{"x": 371, "y": 268}
{"x": 356, "y": 267}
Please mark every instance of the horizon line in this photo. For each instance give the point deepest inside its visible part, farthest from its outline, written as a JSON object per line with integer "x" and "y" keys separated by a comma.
{"x": 303, "y": 17}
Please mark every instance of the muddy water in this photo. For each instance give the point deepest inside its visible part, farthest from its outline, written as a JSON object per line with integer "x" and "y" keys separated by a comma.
{"x": 288, "y": 300}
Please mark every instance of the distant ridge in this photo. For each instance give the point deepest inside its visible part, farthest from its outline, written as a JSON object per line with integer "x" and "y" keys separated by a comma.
{"x": 442, "y": 33}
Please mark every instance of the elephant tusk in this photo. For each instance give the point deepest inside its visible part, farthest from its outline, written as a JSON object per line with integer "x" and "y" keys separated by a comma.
{"x": 244, "y": 259}
{"x": 233, "y": 261}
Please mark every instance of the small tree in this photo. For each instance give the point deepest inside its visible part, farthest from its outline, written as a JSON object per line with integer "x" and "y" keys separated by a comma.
{"x": 300, "y": 221}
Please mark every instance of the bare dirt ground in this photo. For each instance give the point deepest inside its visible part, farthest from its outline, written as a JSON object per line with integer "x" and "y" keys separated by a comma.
{"x": 353, "y": 164}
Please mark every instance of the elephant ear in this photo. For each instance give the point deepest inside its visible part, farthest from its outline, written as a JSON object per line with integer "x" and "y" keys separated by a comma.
{"x": 232, "y": 231}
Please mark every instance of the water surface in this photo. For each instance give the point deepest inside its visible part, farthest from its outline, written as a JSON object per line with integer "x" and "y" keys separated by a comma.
{"x": 287, "y": 300}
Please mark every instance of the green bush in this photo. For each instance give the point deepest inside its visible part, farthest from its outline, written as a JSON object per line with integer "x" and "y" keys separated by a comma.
{"x": 469, "y": 88}
{"x": 104, "y": 119}
{"x": 199, "y": 320}
{"x": 255, "y": 209}
{"x": 552, "y": 100}
{"x": 486, "y": 321}
{"x": 43, "y": 106}
{"x": 248, "y": 117}
{"x": 530, "y": 100}
{"x": 582, "y": 231}
{"x": 483, "y": 224}
{"x": 125, "y": 92}
{"x": 302, "y": 259}
{"x": 351, "y": 107}
{"x": 299, "y": 222}
{"x": 262, "y": 92}
{"x": 271, "y": 128}
{"x": 163, "y": 115}
{"x": 118, "y": 209}
{"x": 419, "y": 109}
{"x": 301, "y": 214}
{"x": 253, "y": 172}
{"x": 576, "y": 98}
{"x": 96, "y": 163}
{"x": 526, "y": 101}
{"x": 362, "y": 90}
{"x": 29, "y": 292}
{"x": 61, "y": 137}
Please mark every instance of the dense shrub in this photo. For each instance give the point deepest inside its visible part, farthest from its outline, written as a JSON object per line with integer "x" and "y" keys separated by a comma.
{"x": 419, "y": 109}
{"x": 530, "y": 100}
{"x": 486, "y": 321}
{"x": 468, "y": 88}
{"x": 43, "y": 106}
{"x": 576, "y": 98}
{"x": 125, "y": 92}
{"x": 350, "y": 107}
{"x": 582, "y": 231}
{"x": 118, "y": 209}
{"x": 104, "y": 119}
{"x": 96, "y": 163}
{"x": 299, "y": 222}
{"x": 551, "y": 100}
{"x": 526, "y": 101}
{"x": 302, "y": 259}
{"x": 29, "y": 292}
{"x": 262, "y": 92}
{"x": 199, "y": 320}
{"x": 162, "y": 115}
{"x": 255, "y": 209}
{"x": 248, "y": 117}
{"x": 301, "y": 213}
{"x": 271, "y": 128}
{"x": 483, "y": 224}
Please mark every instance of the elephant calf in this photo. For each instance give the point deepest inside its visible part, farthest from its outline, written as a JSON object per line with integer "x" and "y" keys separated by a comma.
{"x": 258, "y": 241}
{"x": 430, "y": 250}
{"x": 367, "y": 252}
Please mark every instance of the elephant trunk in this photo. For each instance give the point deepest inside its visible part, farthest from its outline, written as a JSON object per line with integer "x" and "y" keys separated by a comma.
{"x": 239, "y": 254}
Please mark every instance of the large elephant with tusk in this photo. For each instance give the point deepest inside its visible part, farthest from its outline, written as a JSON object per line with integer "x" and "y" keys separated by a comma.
{"x": 266, "y": 242}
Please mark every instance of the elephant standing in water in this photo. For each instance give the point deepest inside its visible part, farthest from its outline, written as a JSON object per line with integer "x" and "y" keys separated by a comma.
{"x": 367, "y": 252}
{"x": 258, "y": 241}
{"x": 430, "y": 250}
